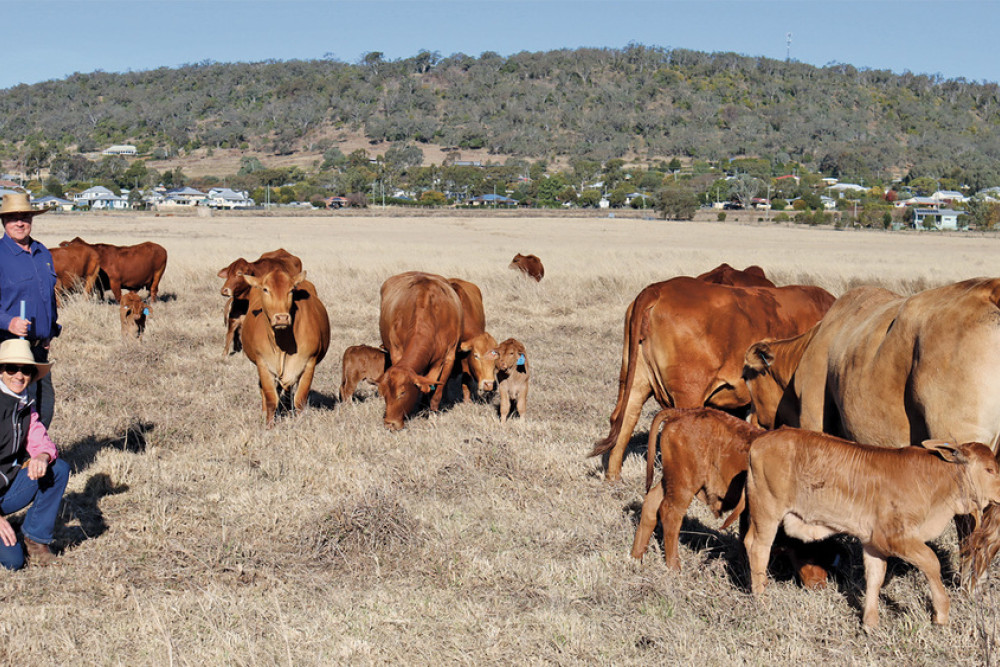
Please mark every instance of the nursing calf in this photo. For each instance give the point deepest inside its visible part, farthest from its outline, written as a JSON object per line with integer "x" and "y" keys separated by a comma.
{"x": 704, "y": 455}
{"x": 893, "y": 500}
{"x": 361, "y": 362}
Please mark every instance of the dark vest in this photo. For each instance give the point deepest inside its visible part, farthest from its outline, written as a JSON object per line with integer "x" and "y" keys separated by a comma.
{"x": 14, "y": 422}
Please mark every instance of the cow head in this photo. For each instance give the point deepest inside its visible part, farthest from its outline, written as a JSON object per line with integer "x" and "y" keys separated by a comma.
{"x": 510, "y": 355}
{"x": 982, "y": 472}
{"x": 481, "y": 356}
{"x": 401, "y": 389}
{"x": 133, "y": 311}
{"x": 277, "y": 295}
{"x": 233, "y": 275}
{"x": 765, "y": 390}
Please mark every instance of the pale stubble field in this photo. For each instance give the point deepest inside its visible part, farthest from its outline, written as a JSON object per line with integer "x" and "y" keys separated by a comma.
{"x": 194, "y": 536}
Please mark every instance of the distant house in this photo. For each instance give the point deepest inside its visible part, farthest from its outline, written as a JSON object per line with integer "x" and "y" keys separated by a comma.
{"x": 224, "y": 198}
{"x": 934, "y": 218}
{"x": 120, "y": 149}
{"x": 492, "y": 200}
{"x": 100, "y": 198}
{"x": 841, "y": 189}
{"x": 51, "y": 203}
{"x": 183, "y": 197}
{"x": 949, "y": 197}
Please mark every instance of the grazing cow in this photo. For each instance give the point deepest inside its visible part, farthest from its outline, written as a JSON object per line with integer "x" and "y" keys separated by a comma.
{"x": 529, "y": 265}
{"x": 286, "y": 333}
{"x": 75, "y": 265}
{"x": 513, "y": 375}
{"x": 684, "y": 345}
{"x": 893, "y": 371}
{"x": 704, "y": 455}
{"x": 131, "y": 267}
{"x": 420, "y": 319}
{"x": 133, "y": 312}
{"x": 238, "y": 290}
{"x": 723, "y": 274}
{"x": 361, "y": 362}
{"x": 893, "y": 500}
{"x": 477, "y": 353}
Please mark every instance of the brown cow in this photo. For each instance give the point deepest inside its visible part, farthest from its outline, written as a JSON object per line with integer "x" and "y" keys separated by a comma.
{"x": 131, "y": 267}
{"x": 723, "y": 274}
{"x": 704, "y": 455}
{"x": 133, "y": 312}
{"x": 286, "y": 333}
{"x": 478, "y": 350}
{"x": 893, "y": 500}
{"x": 361, "y": 362}
{"x": 420, "y": 319}
{"x": 684, "y": 344}
{"x": 513, "y": 376}
{"x": 893, "y": 371}
{"x": 75, "y": 265}
{"x": 529, "y": 265}
{"x": 238, "y": 290}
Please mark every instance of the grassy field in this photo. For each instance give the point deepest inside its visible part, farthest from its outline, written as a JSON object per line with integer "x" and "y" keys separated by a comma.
{"x": 194, "y": 536}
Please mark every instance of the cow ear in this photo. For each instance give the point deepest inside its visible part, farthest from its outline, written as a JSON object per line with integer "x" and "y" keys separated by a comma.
{"x": 465, "y": 346}
{"x": 381, "y": 386}
{"x": 223, "y": 273}
{"x": 947, "y": 451}
{"x": 424, "y": 383}
{"x": 297, "y": 280}
{"x": 759, "y": 357}
{"x": 253, "y": 281}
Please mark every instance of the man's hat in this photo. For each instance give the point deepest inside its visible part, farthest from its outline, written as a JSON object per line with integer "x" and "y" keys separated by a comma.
{"x": 18, "y": 202}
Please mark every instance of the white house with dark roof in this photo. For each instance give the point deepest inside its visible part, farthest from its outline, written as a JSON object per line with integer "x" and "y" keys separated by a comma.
{"x": 938, "y": 218}
{"x": 51, "y": 202}
{"x": 949, "y": 197}
{"x": 100, "y": 198}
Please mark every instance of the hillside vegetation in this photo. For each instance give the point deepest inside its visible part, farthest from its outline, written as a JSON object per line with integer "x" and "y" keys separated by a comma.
{"x": 640, "y": 102}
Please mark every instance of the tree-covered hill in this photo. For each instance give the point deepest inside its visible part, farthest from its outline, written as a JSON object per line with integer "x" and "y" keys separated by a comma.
{"x": 640, "y": 102}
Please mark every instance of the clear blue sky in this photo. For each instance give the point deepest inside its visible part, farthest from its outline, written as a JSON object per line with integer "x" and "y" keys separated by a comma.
{"x": 51, "y": 39}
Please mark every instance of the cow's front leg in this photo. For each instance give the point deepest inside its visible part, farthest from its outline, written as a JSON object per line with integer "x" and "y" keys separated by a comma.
{"x": 268, "y": 393}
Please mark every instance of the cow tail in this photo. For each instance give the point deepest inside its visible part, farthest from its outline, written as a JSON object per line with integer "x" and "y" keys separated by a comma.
{"x": 979, "y": 549}
{"x": 738, "y": 510}
{"x": 654, "y": 433}
{"x": 639, "y": 313}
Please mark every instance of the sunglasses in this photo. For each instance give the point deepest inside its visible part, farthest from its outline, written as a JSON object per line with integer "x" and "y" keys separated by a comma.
{"x": 23, "y": 369}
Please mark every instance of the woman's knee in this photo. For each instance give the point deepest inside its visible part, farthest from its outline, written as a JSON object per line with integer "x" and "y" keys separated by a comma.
{"x": 12, "y": 558}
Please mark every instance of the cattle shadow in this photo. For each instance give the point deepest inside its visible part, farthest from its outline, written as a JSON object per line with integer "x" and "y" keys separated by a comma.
{"x": 84, "y": 506}
{"x": 81, "y": 454}
{"x": 318, "y": 399}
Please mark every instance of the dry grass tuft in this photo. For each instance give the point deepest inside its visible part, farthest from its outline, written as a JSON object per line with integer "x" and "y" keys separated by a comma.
{"x": 374, "y": 526}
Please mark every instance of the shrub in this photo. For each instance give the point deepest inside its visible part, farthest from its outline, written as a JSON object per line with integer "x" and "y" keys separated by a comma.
{"x": 721, "y": 217}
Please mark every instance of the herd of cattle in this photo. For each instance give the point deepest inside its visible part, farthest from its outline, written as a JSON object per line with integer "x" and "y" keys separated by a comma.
{"x": 766, "y": 392}
{"x": 916, "y": 379}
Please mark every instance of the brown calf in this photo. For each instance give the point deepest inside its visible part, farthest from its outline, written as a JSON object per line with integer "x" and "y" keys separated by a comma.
{"x": 133, "y": 312}
{"x": 893, "y": 500}
{"x": 361, "y": 362}
{"x": 530, "y": 265}
{"x": 704, "y": 455}
{"x": 513, "y": 374}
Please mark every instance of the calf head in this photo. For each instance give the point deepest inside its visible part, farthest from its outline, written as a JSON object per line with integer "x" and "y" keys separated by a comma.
{"x": 277, "y": 296}
{"x": 981, "y": 470}
{"x": 233, "y": 275}
{"x": 510, "y": 355}
{"x": 481, "y": 356}
{"x": 401, "y": 389}
{"x": 133, "y": 311}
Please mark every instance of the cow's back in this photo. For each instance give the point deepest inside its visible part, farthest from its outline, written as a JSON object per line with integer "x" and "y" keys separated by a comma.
{"x": 473, "y": 315}
{"x": 421, "y": 309}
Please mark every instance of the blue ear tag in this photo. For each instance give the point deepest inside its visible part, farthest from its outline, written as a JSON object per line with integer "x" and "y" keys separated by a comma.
{"x": 521, "y": 360}
{"x": 145, "y": 311}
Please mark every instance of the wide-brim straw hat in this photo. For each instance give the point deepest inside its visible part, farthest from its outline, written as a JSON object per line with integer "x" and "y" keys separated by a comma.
{"x": 18, "y": 202}
{"x": 18, "y": 351}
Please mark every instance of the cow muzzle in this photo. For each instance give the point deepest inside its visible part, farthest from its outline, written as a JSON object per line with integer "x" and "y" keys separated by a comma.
{"x": 486, "y": 385}
{"x": 226, "y": 291}
{"x": 281, "y": 320}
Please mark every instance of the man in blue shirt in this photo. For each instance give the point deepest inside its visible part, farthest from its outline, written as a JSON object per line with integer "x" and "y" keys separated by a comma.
{"x": 28, "y": 277}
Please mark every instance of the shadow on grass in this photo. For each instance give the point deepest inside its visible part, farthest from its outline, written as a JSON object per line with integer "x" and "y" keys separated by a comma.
{"x": 84, "y": 506}
{"x": 82, "y": 453}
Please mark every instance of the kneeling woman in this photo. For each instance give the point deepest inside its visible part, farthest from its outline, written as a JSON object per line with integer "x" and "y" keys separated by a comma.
{"x": 30, "y": 474}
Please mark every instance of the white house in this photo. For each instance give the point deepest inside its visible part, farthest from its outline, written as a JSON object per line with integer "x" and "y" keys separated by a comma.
{"x": 944, "y": 218}
{"x": 183, "y": 197}
{"x": 120, "y": 149}
{"x": 949, "y": 197}
{"x": 100, "y": 198}
{"x": 50, "y": 202}
{"x": 841, "y": 189}
{"x": 227, "y": 198}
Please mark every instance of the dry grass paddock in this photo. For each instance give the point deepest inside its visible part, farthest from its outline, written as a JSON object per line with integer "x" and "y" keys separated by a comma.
{"x": 194, "y": 536}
